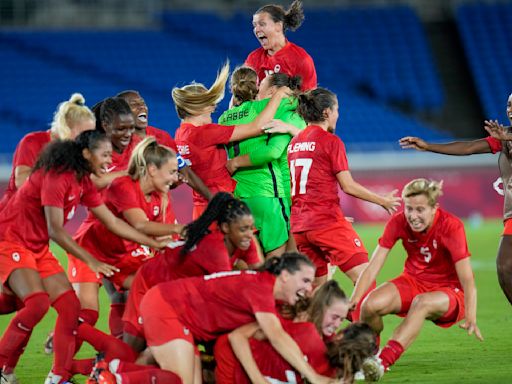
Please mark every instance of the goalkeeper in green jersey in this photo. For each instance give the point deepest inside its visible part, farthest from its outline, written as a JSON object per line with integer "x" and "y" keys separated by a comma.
{"x": 259, "y": 165}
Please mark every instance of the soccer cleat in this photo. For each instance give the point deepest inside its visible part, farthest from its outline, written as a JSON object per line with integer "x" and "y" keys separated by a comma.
{"x": 372, "y": 369}
{"x": 100, "y": 373}
{"x": 8, "y": 378}
{"x": 48, "y": 344}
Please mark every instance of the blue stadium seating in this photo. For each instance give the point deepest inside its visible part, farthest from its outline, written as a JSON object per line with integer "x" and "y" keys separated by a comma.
{"x": 486, "y": 33}
{"x": 369, "y": 57}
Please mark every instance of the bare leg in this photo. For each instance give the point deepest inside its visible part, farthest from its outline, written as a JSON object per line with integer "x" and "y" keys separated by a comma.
{"x": 504, "y": 266}
{"x": 380, "y": 302}
{"x": 177, "y": 356}
{"x": 87, "y": 293}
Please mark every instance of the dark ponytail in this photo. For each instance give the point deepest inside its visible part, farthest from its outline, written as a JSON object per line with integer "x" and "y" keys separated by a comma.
{"x": 66, "y": 155}
{"x": 313, "y": 103}
{"x": 289, "y": 261}
{"x": 223, "y": 208}
{"x": 348, "y": 353}
{"x": 291, "y": 19}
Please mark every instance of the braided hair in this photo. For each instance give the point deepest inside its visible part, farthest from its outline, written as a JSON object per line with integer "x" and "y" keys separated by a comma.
{"x": 223, "y": 208}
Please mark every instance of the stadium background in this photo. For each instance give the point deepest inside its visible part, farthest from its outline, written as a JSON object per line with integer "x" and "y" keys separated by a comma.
{"x": 435, "y": 69}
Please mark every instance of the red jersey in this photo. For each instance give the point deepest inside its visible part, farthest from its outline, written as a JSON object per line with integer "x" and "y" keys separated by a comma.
{"x": 431, "y": 256}
{"x": 203, "y": 150}
{"x": 162, "y": 137}
{"x": 315, "y": 157}
{"x": 27, "y": 152}
{"x": 221, "y": 302}
{"x": 273, "y": 366}
{"x": 120, "y": 161}
{"x": 122, "y": 195}
{"x": 23, "y": 220}
{"x": 291, "y": 59}
{"x": 249, "y": 256}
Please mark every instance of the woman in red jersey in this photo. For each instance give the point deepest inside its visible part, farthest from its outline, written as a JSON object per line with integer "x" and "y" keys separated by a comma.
{"x": 201, "y": 142}
{"x": 318, "y": 166}
{"x": 203, "y": 253}
{"x": 178, "y": 313}
{"x": 499, "y": 140}
{"x": 140, "y": 200}
{"x": 314, "y": 329}
{"x": 71, "y": 118}
{"x": 437, "y": 283}
{"x": 36, "y": 213}
{"x": 276, "y": 53}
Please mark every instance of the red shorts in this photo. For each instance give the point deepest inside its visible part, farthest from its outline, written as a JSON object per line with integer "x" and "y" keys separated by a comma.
{"x": 226, "y": 360}
{"x": 338, "y": 245}
{"x": 409, "y": 288}
{"x": 131, "y": 316}
{"x": 14, "y": 256}
{"x": 160, "y": 321}
{"x": 508, "y": 227}
{"x": 79, "y": 272}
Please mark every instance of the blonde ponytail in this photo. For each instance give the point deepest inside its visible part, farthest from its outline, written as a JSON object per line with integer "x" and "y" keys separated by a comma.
{"x": 68, "y": 113}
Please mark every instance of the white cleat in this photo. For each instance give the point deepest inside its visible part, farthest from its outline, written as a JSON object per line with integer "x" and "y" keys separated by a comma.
{"x": 372, "y": 369}
{"x": 8, "y": 378}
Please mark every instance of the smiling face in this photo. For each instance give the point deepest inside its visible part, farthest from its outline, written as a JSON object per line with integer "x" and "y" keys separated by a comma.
{"x": 295, "y": 285}
{"x": 120, "y": 131}
{"x": 239, "y": 233}
{"x": 267, "y": 31}
{"x": 139, "y": 110}
{"x": 334, "y": 314}
{"x": 164, "y": 177}
{"x": 419, "y": 213}
{"x": 99, "y": 158}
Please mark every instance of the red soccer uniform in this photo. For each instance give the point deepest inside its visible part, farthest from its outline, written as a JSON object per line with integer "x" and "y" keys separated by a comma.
{"x": 212, "y": 305}
{"x": 162, "y": 137}
{"x": 208, "y": 256}
{"x": 315, "y": 157}
{"x": 270, "y": 363}
{"x": 26, "y": 153}
{"x": 122, "y": 195}
{"x": 203, "y": 149}
{"x": 291, "y": 59}
{"x": 431, "y": 256}
{"x": 120, "y": 161}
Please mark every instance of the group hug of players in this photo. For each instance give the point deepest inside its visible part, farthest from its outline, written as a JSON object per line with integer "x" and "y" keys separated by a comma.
{"x": 242, "y": 293}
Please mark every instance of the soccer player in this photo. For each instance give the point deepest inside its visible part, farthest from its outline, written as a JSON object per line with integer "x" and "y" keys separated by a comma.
{"x": 178, "y": 313}
{"x": 142, "y": 129}
{"x": 201, "y": 143}
{"x": 318, "y": 165}
{"x": 276, "y": 53}
{"x": 203, "y": 253}
{"x": 437, "y": 283}
{"x": 314, "y": 329}
{"x": 138, "y": 199}
{"x": 71, "y": 118}
{"x": 498, "y": 141}
{"x": 258, "y": 163}
{"x": 36, "y": 213}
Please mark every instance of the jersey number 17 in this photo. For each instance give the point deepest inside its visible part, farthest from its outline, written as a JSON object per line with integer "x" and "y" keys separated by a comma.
{"x": 305, "y": 164}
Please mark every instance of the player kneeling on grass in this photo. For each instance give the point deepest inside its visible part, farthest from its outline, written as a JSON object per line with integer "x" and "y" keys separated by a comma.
{"x": 437, "y": 283}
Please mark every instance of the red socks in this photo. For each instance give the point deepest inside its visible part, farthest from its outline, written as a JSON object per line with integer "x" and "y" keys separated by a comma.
{"x": 18, "y": 332}
{"x": 9, "y": 303}
{"x": 111, "y": 346}
{"x": 68, "y": 309}
{"x": 115, "y": 320}
{"x": 391, "y": 353}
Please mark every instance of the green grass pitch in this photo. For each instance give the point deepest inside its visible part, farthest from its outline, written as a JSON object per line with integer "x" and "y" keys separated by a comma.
{"x": 438, "y": 356}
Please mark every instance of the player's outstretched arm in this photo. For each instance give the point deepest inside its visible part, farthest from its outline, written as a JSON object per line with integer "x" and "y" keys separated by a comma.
{"x": 498, "y": 131}
{"x": 455, "y": 148}
{"x": 467, "y": 280}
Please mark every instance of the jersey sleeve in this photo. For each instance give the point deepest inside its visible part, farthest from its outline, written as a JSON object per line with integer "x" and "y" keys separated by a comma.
{"x": 27, "y": 152}
{"x": 391, "y": 233}
{"x": 260, "y": 297}
{"x": 454, "y": 239}
{"x": 91, "y": 197}
{"x": 214, "y": 134}
{"x": 217, "y": 260}
{"x": 494, "y": 144}
{"x": 54, "y": 189}
{"x": 275, "y": 147}
{"x": 308, "y": 73}
{"x": 339, "y": 160}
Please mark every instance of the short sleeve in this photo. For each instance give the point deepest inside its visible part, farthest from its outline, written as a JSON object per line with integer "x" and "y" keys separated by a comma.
{"x": 391, "y": 232}
{"x": 122, "y": 195}
{"x": 214, "y": 134}
{"x": 27, "y": 151}
{"x": 259, "y": 294}
{"x": 54, "y": 189}
{"x": 339, "y": 160}
{"x": 494, "y": 144}
{"x": 454, "y": 239}
{"x": 308, "y": 73}
{"x": 91, "y": 197}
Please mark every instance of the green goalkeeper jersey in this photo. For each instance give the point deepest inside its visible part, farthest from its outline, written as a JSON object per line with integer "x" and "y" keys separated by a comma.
{"x": 269, "y": 176}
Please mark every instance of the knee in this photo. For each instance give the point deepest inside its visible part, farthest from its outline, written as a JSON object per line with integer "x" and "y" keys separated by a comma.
{"x": 372, "y": 306}
{"x": 420, "y": 304}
